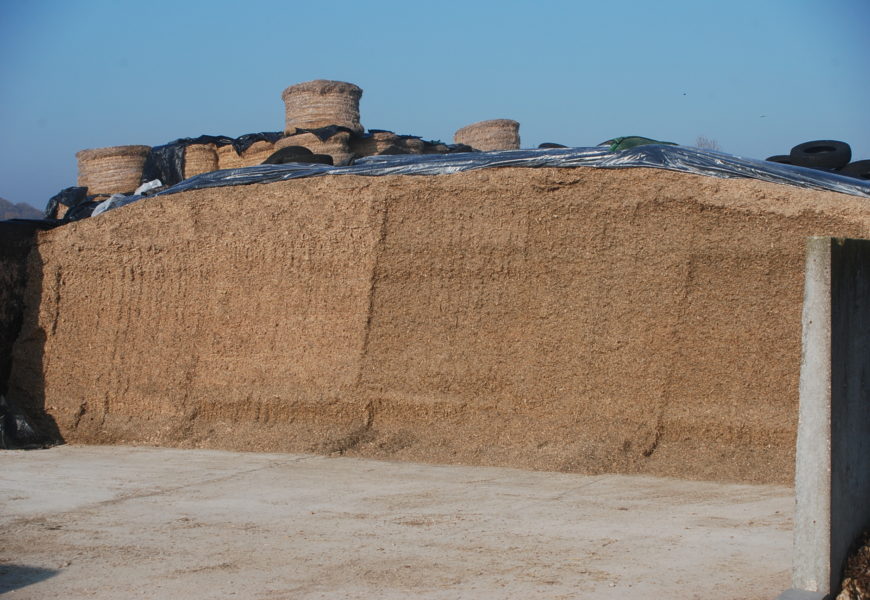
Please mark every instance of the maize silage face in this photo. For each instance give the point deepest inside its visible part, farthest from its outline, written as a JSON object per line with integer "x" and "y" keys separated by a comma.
{"x": 578, "y": 319}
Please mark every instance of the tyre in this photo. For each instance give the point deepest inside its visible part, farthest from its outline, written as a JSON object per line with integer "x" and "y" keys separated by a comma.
{"x": 860, "y": 169}
{"x": 320, "y": 159}
{"x": 551, "y": 145}
{"x": 295, "y": 154}
{"x": 780, "y": 158}
{"x": 822, "y": 154}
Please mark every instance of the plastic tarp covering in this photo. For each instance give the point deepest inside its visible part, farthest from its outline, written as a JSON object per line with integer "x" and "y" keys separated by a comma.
{"x": 675, "y": 158}
{"x": 166, "y": 162}
{"x": 18, "y": 432}
{"x": 69, "y": 197}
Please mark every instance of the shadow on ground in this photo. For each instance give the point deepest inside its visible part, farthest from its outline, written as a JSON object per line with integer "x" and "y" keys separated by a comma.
{"x": 13, "y": 577}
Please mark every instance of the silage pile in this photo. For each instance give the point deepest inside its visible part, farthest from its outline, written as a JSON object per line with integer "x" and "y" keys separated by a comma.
{"x": 635, "y": 321}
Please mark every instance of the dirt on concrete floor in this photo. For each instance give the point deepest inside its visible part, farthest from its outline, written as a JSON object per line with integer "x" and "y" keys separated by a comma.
{"x": 115, "y": 522}
{"x": 579, "y": 320}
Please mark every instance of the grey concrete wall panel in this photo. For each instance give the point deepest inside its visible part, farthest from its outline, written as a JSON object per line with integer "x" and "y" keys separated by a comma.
{"x": 832, "y": 471}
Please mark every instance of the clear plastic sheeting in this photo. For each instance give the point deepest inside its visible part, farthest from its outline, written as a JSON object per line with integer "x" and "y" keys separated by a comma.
{"x": 658, "y": 156}
{"x": 114, "y": 201}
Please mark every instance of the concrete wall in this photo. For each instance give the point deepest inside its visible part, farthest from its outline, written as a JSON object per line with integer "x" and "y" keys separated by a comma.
{"x": 832, "y": 481}
{"x": 576, "y": 319}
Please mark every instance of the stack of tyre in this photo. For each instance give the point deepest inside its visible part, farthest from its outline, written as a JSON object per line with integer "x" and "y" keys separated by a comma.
{"x": 826, "y": 155}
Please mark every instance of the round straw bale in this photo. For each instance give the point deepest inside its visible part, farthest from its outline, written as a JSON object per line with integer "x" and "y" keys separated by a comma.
{"x": 320, "y": 103}
{"x": 413, "y": 145}
{"x": 379, "y": 141}
{"x": 112, "y": 170}
{"x": 228, "y": 158}
{"x": 392, "y": 150}
{"x": 259, "y": 151}
{"x": 337, "y": 146}
{"x": 372, "y": 143}
{"x": 200, "y": 158}
{"x": 497, "y": 134}
{"x": 435, "y": 148}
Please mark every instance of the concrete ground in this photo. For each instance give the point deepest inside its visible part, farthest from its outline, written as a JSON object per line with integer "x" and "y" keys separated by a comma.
{"x": 120, "y": 522}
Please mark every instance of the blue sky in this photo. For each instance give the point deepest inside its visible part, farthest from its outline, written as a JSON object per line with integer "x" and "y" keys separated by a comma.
{"x": 756, "y": 76}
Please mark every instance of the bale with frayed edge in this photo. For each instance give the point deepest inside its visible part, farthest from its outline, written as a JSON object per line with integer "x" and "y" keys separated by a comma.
{"x": 259, "y": 151}
{"x": 320, "y": 103}
{"x": 497, "y": 134}
{"x": 200, "y": 158}
{"x": 380, "y": 142}
{"x": 112, "y": 170}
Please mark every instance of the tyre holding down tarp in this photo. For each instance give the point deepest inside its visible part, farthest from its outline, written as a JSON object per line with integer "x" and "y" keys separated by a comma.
{"x": 860, "y": 169}
{"x": 822, "y": 154}
{"x": 297, "y": 154}
{"x": 784, "y": 159}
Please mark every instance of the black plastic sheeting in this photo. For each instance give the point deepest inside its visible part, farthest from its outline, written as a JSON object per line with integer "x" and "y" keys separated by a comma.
{"x": 674, "y": 158}
{"x": 683, "y": 159}
{"x": 324, "y": 133}
{"x": 20, "y": 432}
{"x": 166, "y": 162}
{"x": 69, "y": 197}
{"x": 80, "y": 205}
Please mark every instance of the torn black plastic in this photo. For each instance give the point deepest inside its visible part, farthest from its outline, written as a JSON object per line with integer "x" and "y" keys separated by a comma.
{"x": 69, "y": 197}
{"x": 20, "y": 432}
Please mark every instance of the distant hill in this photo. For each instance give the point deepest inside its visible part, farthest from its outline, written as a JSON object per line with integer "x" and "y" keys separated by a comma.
{"x": 17, "y": 211}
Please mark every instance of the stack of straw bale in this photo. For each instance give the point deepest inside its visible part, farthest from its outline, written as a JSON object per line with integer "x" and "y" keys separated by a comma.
{"x": 381, "y": 142}
{"x": 337, "y": 146}
{"x": 435, "y": 148}
{"x": 200, "y": 158}
{"x": 113, "y": 170}
{"x": 497, "y": 134}
{"x": 321, "y": 103}
{"x": 259, "y": 151}
{"x": 413, "y": 145}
